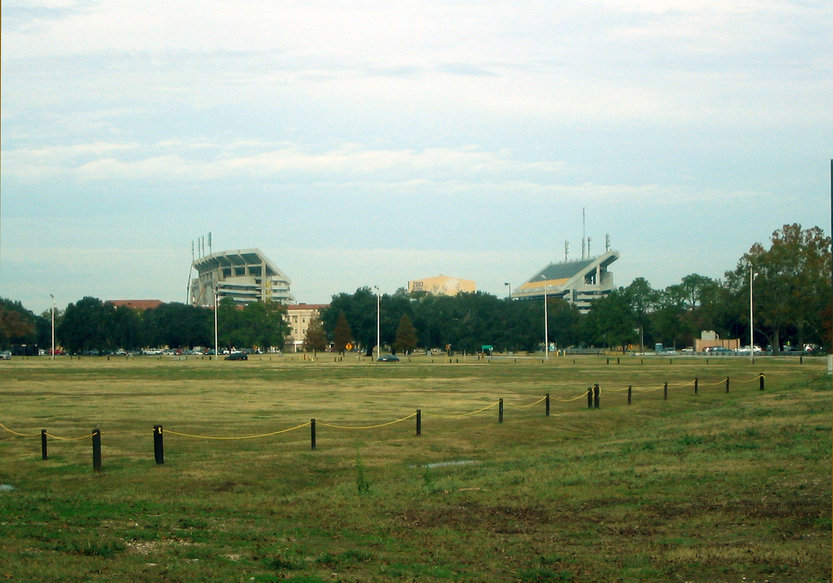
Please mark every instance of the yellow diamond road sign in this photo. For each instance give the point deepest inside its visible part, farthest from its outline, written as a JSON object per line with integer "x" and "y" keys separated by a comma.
{"x": 348, "y": 347}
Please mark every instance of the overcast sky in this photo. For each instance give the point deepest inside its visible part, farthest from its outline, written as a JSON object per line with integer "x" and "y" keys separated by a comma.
{"x": 375, "y": 142}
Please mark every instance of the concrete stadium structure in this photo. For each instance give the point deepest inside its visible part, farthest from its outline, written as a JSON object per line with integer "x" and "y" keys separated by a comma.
{"x": 245, "y": 275}
{"x": 578, "y": 282}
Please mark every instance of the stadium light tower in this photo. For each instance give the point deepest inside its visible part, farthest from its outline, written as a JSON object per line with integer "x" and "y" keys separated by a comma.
{"x": 509, "y": 287}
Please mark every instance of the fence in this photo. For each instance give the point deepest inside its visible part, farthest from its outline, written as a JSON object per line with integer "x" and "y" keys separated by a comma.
{"x": 592, "y": 394}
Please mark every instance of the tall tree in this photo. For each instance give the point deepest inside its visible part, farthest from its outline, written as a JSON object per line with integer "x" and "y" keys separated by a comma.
{"x": 791, "y": 286}
{"x": 315, "y": 338}
{"x": 342, "y": 335}
{"x": 17, "y": 324}
{"x": 406, "y": 336}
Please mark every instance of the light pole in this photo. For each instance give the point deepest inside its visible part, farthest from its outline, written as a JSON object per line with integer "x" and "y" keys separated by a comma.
{"x": 378, "y": 323}
{"x": 509, "y": 287}
{"x": 216, "y": 344}
{"x": 751, "y": 314}
{"x": 53, "y": 326}
{"x": 546, "y": 327}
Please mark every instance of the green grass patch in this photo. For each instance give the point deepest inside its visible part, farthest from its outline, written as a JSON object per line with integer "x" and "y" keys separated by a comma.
{"x": 693, "y": 487}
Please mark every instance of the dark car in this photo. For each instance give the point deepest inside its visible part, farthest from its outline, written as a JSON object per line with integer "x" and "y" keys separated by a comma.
{"x": 388, "y": 358}
{"x": 237, "y": 356}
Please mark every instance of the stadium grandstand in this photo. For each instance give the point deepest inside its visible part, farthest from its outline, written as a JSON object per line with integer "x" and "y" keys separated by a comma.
{"x": 245, "y": 275}
{"x": 578, "y": 282}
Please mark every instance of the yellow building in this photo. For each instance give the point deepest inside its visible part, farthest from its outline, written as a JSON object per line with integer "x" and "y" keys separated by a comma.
{"x": 299, "y": 317}
{"x": 442, "y": 285}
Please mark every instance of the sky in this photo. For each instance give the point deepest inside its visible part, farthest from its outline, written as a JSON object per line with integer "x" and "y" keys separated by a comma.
{"x": 371, "y": 143}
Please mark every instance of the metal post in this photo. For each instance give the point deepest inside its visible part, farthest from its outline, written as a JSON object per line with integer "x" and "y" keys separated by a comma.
{"x": 547, "y": 405}
{"x": 695, "y": 385}
{"x": 589, "y": 397}
{"x": 96, "y": 450}
{"x": 665, "y": 391}
{"x": 43, "y": 443}
{"x": 761, "y": 379}
{"x": 500, "y": 411}
{"x": 596, "y": 392}
{"x": 158, "y": 447}
{"x": 419, "y": 422}
{"x": 312, "y": 433}
{"x": 727, "y": 384}
{"x": 629, "y": 394}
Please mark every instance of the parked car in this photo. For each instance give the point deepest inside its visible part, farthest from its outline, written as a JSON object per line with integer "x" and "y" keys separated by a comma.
{"x": 237, "y": 356}
{"x": 388, "y": 358}
{"x": 5, "y": 355}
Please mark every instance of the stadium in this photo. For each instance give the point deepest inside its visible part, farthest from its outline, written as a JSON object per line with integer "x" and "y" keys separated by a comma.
{"x": 244, "y": 275}
{"x": 578, "y": 282}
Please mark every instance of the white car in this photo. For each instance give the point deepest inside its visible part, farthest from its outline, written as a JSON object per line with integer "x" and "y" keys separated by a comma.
{"x": 5, "y": 355}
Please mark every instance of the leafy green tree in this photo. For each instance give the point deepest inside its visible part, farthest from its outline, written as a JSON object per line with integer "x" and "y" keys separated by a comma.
{"x": 316, "y": 338}
{"x": 792, "y": 288}
{"x": 86, "y": 325}
{"x": 342, "y": 335}
{"x": 611, "y": 321}
{"x": 406, "y": 336}
{"x": 17, "y": 324}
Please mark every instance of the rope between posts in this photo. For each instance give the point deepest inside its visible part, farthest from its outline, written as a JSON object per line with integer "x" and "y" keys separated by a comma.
{"x": 720, "y": 382}
{"x": 228, "y": 438}
{"x": 581, "y": 396}
{"x": 89, "y": 435}
{"x": 752, "y": 380}
{"x": 19, "y": 434}
{"x": 533, "y": 404}
{"x": 333, "y": 426}
{"x": 469, "y": 413}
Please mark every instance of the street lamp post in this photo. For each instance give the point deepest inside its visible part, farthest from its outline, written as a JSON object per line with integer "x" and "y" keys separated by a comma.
{"x": 216, "y": 343}
{"x": 53, "y": 326}
{"x": 546, "y": 327}
{"x": 378, "y": 323}
{"x": 751, "y": 314}
{"x": 509, "y": 287}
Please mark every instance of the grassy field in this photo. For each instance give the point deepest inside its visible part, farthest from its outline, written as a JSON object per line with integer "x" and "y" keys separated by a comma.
{"x": 712, "y": 486}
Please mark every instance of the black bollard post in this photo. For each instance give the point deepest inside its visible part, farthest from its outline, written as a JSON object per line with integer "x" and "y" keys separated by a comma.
{"x": 43, "y": 443}
{"x": 547, "y": 405}
{"x": 596, "y": 392}
{"x": 727, "y": 384}
{"x": 629, "y": 394}
{"x": 419, "y": 422}
{"x": 500, "y": 411}
{"x": 695, "y": 385}
{"x": 158, "y": 447}
{"x": 589, "y": 397}
{"x": 665, "y": 391}
{"x": 761, "y": 379}
{"x": 96, "y": 450}
{"x": 312, "y": 433}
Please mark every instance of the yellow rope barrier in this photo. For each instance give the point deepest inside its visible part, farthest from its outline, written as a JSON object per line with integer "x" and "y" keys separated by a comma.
{"x": 19, "y": 434}
{"x": 542, "y": 399}
{"x": 650, "y": 390}
{"x": 236, "y": 436}
{"x": 469, "y": 413}
{"x": 88, "y": 436}
{"x": 333, "y": 426}
{"x": 752, "y": 380}
{"x": 581, "y": 396}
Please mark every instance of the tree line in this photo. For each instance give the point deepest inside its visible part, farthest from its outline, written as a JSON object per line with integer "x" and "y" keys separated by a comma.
{"x": 792, "y": 295}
